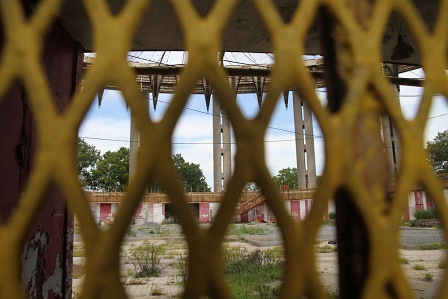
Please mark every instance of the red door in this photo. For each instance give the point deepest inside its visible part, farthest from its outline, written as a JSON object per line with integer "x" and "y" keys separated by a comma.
{"x": 295, "y": 209}
{"x": 418, "y": 200}
{"x": 105, "y": 210}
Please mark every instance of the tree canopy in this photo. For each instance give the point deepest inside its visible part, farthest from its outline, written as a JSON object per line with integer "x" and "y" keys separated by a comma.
{"x": 110, "y": 171}
{"x": 251, "y": 187}
{"x": 287, "y": 176}
{"x": 88, "y": 156}
{"x": 190, "y": 174}
{"x": 438, "y": 152}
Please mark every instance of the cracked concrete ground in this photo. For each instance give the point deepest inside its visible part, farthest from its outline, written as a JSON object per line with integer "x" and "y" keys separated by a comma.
{"x": 423, "y": 268}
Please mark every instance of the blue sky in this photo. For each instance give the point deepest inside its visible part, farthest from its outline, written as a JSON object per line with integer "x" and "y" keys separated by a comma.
{"x": 108, "y": 127}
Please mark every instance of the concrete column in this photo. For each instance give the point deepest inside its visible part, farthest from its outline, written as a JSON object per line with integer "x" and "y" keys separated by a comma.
{"x": 222, "y": 154}
{"x": 305, "y": 154}
{"x": 392, "y": 142}
{"x": 309, "y": 145}
{"x": 135, "y": 139}
{"x": 392, "y": 146}
{"x": 300, "y": 140}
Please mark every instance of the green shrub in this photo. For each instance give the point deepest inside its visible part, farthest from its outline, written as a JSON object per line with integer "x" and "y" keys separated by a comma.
{"x": 425, "y": 214}
{"x": 146, "y": 261}
{"x": 332, "y": 215}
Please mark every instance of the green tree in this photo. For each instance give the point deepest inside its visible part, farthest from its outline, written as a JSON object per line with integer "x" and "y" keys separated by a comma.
{"x": 190, "y": 174}
{"x": 287, "y": 176}
{"x": 112, "y": 171}
{"x": 88, "y": 156}
{"x": 251, "y": 187}
{"x": 438, "y": 152}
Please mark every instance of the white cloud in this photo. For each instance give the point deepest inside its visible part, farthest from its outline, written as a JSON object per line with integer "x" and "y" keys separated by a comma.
{"x": 108, "y": 130}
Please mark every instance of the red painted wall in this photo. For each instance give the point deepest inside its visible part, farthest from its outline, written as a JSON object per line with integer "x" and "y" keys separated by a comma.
{"x": 429, "y": 203}
{"x": 244, "y": 218}
{"x": 295, "y": 209}
{"x": 204, "y": 212}
{"x": 105, "y": 210}
{"x": 62, "y": 61}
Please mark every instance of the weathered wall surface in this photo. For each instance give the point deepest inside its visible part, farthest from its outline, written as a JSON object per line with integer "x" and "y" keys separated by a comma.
{"x": 47, "y": 253}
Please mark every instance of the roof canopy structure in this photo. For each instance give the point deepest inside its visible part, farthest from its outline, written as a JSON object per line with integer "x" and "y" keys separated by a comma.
{"x": 245, "y": 32}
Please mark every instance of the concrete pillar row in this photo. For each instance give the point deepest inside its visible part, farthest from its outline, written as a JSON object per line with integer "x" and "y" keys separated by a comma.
{"x": 305, "y": 153}
{"x": 222, "y": 154}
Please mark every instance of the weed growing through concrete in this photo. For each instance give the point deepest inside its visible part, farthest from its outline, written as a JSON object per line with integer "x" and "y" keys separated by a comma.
{"x": 428, "y": 277}
{"x": 419, "y": 267}
{"x": 146, "y": 261}
{"x": 131, "y": 233}
{"x": 404, "y": 261}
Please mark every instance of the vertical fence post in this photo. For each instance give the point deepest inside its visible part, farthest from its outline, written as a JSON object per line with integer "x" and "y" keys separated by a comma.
{"x": 353, "y": 248}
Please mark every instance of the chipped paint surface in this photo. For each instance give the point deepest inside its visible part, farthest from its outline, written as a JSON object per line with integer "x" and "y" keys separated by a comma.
{"x": 69, "y": 261}
{"x": 35, "y": 276}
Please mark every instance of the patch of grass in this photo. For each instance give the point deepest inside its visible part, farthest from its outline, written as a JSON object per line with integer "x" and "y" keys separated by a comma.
{"x": 428, "y": 277}
{"x": 79, "y": 253}
{"x": 170, "y": 255}
{"x": 245, "y": 229}
{"x": 277, "y": 251}
{"x": 182, "y": 268}
{"x": 433, "y": 246}
{"x": 267, "y": 292}
{"x": 441, "y": 264}
{"x": 419, "y": 267}
{"x": 325, "y": 249}
{"x": 404, "y": 261}
{"x": 250, "y": 274}
{"x": 158, "y": 229}
{"x": 131, "y": 233}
